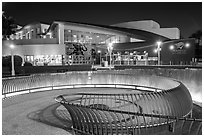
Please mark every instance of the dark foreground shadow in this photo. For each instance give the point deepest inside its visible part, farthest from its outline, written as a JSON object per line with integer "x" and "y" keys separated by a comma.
{"x": 53, "y": 117}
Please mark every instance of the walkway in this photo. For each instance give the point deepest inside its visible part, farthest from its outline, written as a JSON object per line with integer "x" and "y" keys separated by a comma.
{"x": 34, "y": 114}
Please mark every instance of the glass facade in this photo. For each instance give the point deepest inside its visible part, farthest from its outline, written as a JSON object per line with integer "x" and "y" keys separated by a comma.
{"x": 82, "y": 43}
{"x": 85, "y": 37}
{"x": 79, "y": 45}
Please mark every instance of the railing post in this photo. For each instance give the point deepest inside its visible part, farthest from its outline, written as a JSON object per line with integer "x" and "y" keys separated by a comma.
{"x": 172, "y": 127}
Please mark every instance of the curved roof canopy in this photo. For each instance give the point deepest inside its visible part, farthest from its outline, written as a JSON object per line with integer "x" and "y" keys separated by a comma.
{"x": 134, "y": 33}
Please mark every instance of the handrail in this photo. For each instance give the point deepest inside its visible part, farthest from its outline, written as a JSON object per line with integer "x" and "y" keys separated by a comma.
{"x": 120, "y": 116}
{"x": 158, "y": 97}
{"x": 49, "y": 80}
{"x": 127, "y": 112}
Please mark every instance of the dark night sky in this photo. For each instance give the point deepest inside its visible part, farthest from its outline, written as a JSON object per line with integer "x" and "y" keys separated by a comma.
{"x": 185, "y": 16}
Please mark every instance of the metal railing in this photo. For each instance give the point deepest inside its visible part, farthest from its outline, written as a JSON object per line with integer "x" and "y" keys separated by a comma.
{"x": 100, "y": 114}
{"x": 158, "y": 102}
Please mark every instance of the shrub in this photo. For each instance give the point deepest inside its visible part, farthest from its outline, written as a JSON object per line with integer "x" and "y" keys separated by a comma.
{"x": 28, "y": 64}
{"x": 6, "y": 61}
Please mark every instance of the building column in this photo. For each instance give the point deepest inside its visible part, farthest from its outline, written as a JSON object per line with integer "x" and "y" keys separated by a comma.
{"x": 60, "y": 33}
{"x": 23, "y": 60}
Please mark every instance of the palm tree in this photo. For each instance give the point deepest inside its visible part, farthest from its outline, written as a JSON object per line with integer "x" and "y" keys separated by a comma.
{"x": 8, "y": 26}
{"x": 198, "y": 46}
{"x": 197, "y": 35}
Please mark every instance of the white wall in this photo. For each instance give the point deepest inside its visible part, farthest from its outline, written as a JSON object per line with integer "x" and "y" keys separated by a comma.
{"x": 40, "y": 49}
{"x": 145, "y": 24}
{"x": 48, "y": 49}
{"x": 171, "y": 33}
{"x": 151, "y": 26}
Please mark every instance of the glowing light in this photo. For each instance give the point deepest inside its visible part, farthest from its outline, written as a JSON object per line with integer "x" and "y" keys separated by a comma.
{"x": 159, "y": 43}
{"x": 110, "y": 44}
{"x": 99, "y": 51}
{"x": 110, "y": 47}
{"x": 187, "y": 45}
{"x": 171, "y": 47}
{"x": 155, "y": 50}
{"x": 12, "y": 46}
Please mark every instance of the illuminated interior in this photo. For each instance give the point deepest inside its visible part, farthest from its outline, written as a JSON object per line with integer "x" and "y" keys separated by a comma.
{"x": 44, "y": 60}
{"x": 75, "y": 36}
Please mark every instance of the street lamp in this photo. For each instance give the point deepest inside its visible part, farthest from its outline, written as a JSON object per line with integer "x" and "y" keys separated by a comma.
{"x": 187, "y": 45}
{"x": 110, "y": 49}
{"x": 12, "y": 60}
{"x": 171, "y": 47}
{"x": 155, "y": 50}
{"x": 158, "y": 51}
{"x": 100, "y": 57}
{"x": 146, "y": 57}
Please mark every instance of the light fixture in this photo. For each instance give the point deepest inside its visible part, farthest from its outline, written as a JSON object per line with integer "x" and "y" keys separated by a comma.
{"x": 159, "y": 51}
{"x": 159, "y": 43}
{"x": 110, "y": 48}
{"x": 171, "y": 47}
{"x": 187, "y": 45}
{"x": 12, "y": 60}
{"x": 155, "y": 50}
{"x": 12, "y": 46}
{"x": 110, "y": 44}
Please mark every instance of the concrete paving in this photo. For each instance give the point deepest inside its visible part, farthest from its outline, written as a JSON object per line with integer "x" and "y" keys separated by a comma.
{"x": 33, "y": 114}
{"x": 39, "y": 114}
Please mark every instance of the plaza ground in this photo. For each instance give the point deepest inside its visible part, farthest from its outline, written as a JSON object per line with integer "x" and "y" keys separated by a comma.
{"x": 39, "y": 114}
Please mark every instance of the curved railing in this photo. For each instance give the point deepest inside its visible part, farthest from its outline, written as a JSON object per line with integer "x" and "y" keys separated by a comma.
{"x": 157, "y": 101}
{"x": 17, "y": 84}
{"x": 101, "y": 114}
